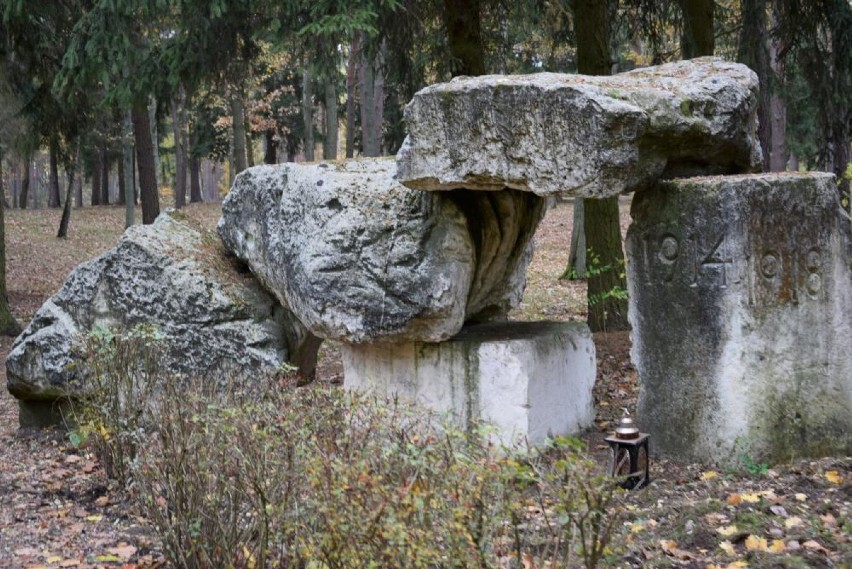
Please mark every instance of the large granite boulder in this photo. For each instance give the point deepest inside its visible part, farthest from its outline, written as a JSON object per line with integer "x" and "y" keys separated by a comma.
{"x": 213, "y": 315}
{"x": 741, "y": 307}
{"x": 358, "y": 257}
{"x": 579, "y": 135}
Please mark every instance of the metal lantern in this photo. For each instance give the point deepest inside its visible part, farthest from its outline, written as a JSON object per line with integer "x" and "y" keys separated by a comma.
{"x": 629, "y": 454}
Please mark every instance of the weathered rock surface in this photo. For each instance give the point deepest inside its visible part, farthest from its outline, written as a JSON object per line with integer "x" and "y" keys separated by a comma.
{"x": 214, "y": 318}
{"x": 360, "y": 258}
{"x": 741, "y": 307}
{"x": 580, "y": 135}
{"x": 530, "y": 380}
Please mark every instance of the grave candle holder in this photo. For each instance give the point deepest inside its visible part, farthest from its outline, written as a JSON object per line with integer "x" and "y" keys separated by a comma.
{"x": 629, "y": 454}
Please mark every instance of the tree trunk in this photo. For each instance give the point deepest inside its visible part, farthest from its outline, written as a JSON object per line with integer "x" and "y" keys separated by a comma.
{"x": 329, "y": 144}
{"x": 79, "y": 191}
{"x": 8, "y": 325}
{"x": 576, "y": 268}
{"x": 372, "y": 103}
{"x": 607, "y": 284}
{"x": 249, "y": 142}
{"x": 195, "y": 195}
{"x": 270, "y": 147}
{"x": 180, "y": 150}
{"x": 15, "y": 186}
{"x": 2, "y": 185}
{"x": 135, "y": 169}
{"x": 777, "y": 106}
{"x": 96, "y": 179}
{"x": 35, "y": 182}
{"x": 697, "y": 36}
{"x": 367, "y": 100}
{"x": 753, "y": 52}
{"x": 104, "y": 175}
{"x": 66, "y": 211}
{"x": 53, "y": 191}
{"x": 127, "y": 160}
{"x": 238, "y": 117}
{"x": 119, "y": 200}
{"x": 25, "y": 183}
{"x": 308, "y": 114}
{"x": 377, "y": 111}
{"x": 155, "y": 140}
{"x": 464, "y": 36}
{"x": 351, "y": 86}
{"x": 147, "y": 166}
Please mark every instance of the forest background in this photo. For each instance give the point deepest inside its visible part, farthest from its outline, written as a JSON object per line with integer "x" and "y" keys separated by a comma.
{"x": 167, "y": 100}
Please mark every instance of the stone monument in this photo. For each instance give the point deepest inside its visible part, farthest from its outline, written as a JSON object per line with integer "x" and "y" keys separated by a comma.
{"x": 741, "y": 307}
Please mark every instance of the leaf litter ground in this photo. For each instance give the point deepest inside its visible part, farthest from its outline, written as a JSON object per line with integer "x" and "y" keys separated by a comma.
{"x": 58, "y": 510}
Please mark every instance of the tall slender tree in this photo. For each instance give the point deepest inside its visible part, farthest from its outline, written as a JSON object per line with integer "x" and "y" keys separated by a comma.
{"x": 697, "y": 33}
{"x": 464, "y": 34}
{"x": 818, "y": 36}
{"x": 754, "y": 51}
{"x": 606, "y": 281}
{"x": 8, "y": 325}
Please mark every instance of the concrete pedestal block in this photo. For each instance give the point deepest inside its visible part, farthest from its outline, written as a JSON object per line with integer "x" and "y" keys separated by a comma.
{"x": 529, "y": 379}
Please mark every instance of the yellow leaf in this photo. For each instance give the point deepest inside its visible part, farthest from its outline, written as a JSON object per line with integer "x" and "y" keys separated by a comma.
{"x": 709, "y": 475}
{"x": 122, "y": 550}
{"x": 833, "y": 476}
{"x": 670, "y": 547}
{"x": 769, "y": 494}
{"x": 251, "y": 562}
{"x": 755, "y": 543}
{"x": 815, "y": 546}
{"x": 751, "y": 498}
{"x": 667, "y": 544}
{"x": 737, "y": 565}
{"x": 728, "y": 548}
{"x": 715, "y": 518}
{"x": 801, "y": 497}
{"x": 777, "y": 546}
{"x": 54, "y": 559}
{"x": 108, "y": 558}
{"x": 793, "y": 522}
{"x": 96, "y": 518}
{"x": 728, "y": 531}
{"x": 636, "y": 527}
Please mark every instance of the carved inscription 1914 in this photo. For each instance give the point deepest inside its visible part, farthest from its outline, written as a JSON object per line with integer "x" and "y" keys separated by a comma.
{"x": 786, "y": 272}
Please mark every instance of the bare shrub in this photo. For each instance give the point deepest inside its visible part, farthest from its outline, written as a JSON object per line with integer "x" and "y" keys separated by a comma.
{"x": 256, "y": 473}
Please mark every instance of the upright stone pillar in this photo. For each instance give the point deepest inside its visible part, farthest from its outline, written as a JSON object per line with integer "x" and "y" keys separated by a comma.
{"x": 741, "y": 307}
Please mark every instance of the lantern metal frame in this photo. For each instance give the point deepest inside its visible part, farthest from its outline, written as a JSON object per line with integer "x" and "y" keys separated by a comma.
{"x": 629, "y": 459}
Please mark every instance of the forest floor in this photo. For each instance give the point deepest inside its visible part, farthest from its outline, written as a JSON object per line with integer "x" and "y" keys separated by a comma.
{"x": 58, "y": 510}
